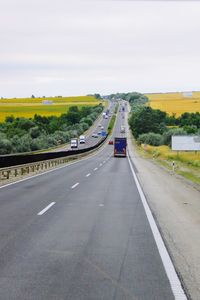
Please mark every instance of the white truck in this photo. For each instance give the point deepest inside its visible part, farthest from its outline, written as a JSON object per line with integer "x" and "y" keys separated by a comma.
{"x": 74, "y": 143}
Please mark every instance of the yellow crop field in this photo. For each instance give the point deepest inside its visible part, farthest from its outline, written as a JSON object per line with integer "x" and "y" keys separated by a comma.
{"x": 175, "y": 103}
{"x": 28, "y": 107}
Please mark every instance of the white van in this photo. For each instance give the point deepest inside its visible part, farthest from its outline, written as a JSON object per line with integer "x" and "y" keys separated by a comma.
{"x": 81, "y": 139}
{"x": 74, "y": 143}
{"x": 122, "y": 129}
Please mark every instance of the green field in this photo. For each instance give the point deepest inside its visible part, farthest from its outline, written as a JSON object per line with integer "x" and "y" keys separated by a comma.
{"x": 28, "y": 107}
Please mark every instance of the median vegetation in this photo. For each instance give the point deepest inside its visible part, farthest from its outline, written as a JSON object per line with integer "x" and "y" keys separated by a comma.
{"x": 25, "y": 135}
{"x": 112, "y": 120}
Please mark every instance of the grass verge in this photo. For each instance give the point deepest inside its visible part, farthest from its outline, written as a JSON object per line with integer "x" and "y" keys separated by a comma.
{"x": 186, "y": 164}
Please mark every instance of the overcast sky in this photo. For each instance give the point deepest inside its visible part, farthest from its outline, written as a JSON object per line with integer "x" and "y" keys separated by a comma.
{"x": 64, "y": 47}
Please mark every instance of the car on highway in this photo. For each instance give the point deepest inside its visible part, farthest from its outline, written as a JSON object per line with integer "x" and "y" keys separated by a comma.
{"x": 110, "y": 142}
{"x": 82, "y": 139}
{"x": 99, "y": 125}
{"x": 95, "y": 135}
{"x": 99, "y": 132}
{"x": 122, "y": 129}
{"x": 102, "y": 127}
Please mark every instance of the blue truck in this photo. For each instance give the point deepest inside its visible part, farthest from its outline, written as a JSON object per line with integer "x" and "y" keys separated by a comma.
{"x": 120, "y": 144}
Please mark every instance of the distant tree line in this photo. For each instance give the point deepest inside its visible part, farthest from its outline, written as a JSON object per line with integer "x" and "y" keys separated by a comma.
{"x": 153, "y": 126}
{"x": 24, "y": 135}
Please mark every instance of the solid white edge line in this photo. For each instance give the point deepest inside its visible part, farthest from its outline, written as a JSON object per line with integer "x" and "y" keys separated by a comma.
{"x": 175, "y": 283}
{"x": 88, "y": 174}
{"x": 46, "y": 208}
{"x": 53, "y": 170}
{"x": 75, "y": 185}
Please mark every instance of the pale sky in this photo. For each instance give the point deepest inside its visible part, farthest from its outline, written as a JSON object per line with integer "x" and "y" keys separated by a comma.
{"x": 64, "y": 47}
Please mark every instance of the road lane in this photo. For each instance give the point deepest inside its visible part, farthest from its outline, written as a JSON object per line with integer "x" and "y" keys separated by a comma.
{"x": 94, "y": 243}
{"x": 81, "y": 250}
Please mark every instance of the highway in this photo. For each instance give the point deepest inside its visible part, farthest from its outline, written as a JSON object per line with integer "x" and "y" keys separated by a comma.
{"x": 79, "y": 233}
{"x": 90, "y": 140}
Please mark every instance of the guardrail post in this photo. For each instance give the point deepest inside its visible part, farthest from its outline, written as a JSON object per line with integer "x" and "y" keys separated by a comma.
{"x": 7, "y": 174}
{"x": 16, "y": 172}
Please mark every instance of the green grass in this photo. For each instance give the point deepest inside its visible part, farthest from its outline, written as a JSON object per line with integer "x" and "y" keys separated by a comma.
{"x": 111, "y": 124}
{"x": 188, "y": 171}
{"x": 190, "y": 176}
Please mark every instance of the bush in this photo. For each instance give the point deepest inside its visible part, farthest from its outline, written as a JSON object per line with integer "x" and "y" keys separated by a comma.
{"x": 34, "y": 132}
{"x": 190, "y": 129}
{"x": 89, "y": 121}
{"x": 150, "y": 138}
{"x": 23, "y": 144}
{"x": 168, "y": 134}
{"x": 84, "y": 125}
{"x": 5, "y": 146}
{"x": 24, "y": 135}
{"x": 24, "y": 123}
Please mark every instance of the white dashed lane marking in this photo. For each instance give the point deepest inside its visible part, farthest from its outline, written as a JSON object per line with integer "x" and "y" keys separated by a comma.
{"x": 46, "y": 208}
{"x": 75, "y": 185}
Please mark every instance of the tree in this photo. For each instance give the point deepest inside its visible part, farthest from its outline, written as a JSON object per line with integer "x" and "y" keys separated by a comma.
{"x": 147, "y": 120}
{"x": 5, "y": 146}
{"x": 97, "y": 96}
{"x": 73, "y": 108}
{"x": 10, "y": 119}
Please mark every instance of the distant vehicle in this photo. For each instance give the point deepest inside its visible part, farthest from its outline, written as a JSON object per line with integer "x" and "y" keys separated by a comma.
{"x": 120, "y": 146}
{"x": 110, "y": 142}
{"x": 74, "y": 143}
{"x": 99, "y": 125}
{"x": 102, "y": 127}
{"x": 122, "y": 129}
{"x": 103, "y": 114}
{"x": 95, "y": 135}
{"x": 106, "y": 117}
{"x": 99, "y": 132}
{"x": 81, "y": 139}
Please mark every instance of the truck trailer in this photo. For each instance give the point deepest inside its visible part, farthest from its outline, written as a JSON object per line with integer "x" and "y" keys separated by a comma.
{"x": 120, "y": 144}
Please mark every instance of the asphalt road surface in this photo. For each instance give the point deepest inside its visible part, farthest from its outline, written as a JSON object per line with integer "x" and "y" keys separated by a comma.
{"x": 79, "y": 233}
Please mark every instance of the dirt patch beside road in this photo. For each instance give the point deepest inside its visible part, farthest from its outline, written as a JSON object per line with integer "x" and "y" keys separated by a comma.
{"x": 176, "y": 207}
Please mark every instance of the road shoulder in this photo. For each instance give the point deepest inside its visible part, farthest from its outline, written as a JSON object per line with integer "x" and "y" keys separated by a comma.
{"x": 176, "y": 207}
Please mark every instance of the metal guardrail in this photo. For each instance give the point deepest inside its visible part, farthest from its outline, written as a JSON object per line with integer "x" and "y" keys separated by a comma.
{"x": 9, "y": 172}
